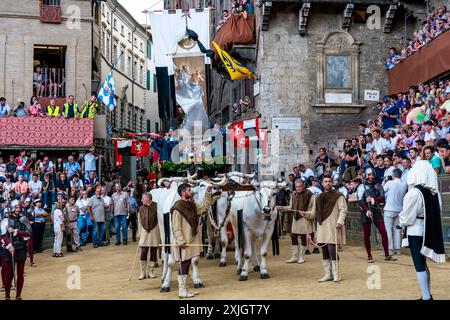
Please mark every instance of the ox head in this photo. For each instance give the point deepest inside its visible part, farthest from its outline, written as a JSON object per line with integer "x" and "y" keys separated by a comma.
{"x": 202, "y": 186}
{"x": 267, "y": 191}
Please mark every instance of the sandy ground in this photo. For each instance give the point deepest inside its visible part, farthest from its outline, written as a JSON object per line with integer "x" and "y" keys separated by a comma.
{"x": 105, "y": 271}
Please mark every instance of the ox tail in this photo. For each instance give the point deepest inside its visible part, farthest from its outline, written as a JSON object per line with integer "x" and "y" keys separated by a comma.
{"x": 167, "y": 231}
{"x": 275, "y": 238}
{"x": 240, "y": 225}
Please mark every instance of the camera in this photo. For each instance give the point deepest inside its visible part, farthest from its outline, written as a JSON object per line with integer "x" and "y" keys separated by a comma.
{"x": 388, "y": 178}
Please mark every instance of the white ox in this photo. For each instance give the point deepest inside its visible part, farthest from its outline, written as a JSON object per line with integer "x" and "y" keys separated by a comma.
{"x": 258, "y": 221}
{"x": 166, "y": 198}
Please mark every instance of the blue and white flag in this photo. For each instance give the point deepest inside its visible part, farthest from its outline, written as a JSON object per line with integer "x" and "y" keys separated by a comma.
{"x": 107, "y": 92}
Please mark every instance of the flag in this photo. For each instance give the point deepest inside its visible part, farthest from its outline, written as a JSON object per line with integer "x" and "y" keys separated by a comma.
{"x": 118, "y": 156}
{"x": 263, "y": 137}
{"x": 234, "y": 68}
{"x": 140, "y": 148}
{"x": 241, "y": 128}
{"x": 107, "y": 92}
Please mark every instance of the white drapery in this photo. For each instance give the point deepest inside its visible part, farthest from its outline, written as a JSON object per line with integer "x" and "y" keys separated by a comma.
{"x": 169, "y": 28}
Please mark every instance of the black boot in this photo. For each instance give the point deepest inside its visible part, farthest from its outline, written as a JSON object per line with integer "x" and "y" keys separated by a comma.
{"x": 125, "y": 242}
{"x": 307, "y": 251}
{"x": 316, "y": 250}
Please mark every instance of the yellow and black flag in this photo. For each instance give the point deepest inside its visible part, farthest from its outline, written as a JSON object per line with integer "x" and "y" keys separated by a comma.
{"x": 234, "y": 68}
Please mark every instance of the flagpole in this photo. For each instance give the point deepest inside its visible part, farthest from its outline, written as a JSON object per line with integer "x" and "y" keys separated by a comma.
{"x": 113, "y": 67}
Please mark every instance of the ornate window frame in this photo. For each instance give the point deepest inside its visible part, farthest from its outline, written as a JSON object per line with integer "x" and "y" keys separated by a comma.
{"x": 338, "y": 43}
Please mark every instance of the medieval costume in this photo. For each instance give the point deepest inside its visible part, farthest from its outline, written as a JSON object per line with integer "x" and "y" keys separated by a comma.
{"x": 370, "y": 206}
{"x": 13, "y": 240}
{"x": 300, "y": 201}
{"x": 330, "y": 209}
{"x": 149, "y": 238}
{"x": 421, "y": 216}
{"x": 186, "y": 229}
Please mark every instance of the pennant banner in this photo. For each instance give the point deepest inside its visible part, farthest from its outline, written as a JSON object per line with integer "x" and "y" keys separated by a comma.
{"x": 234, "y": 68}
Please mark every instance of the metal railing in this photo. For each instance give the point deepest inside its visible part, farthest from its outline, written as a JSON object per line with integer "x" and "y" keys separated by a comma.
{"x": 49, "y": 82}
{"x": 53, "y": 3}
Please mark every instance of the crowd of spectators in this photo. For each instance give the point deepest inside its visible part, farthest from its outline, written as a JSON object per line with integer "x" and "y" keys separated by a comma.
{"x": 70, "y": 194}
{"x": 437, "y": 23}
{"x": 70, "y": 109}
{"x": 238, "y": 8}
{"x": 372, "y": 167}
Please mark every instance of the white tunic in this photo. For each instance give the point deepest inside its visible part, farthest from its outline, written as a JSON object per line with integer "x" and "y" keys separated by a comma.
{"x": 413, "y": 207}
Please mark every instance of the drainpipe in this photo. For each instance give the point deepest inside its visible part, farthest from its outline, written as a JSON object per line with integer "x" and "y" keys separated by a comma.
{"x": 76, "y": 59}
{"x": 132, "y": 67}
{"x": 4, "y": 67}
{"x": 112, "y": 37}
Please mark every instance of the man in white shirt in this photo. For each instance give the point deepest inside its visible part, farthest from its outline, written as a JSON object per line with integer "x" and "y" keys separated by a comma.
{"x": 377, "y": 143}
{"x": 314, "y": 187}
{"x": 430, "y": 135}
{"x": 306, "y": 173}
{"x": 390, "y": 140}
{"x": 108, "y": 219}
{"x": 406, "y": 163}
{"x": 395, "y": 190}
{"x": 413, "y": 155}
{"x": 58, "y": 222}
{"x": 35, "y": 187}
{"x": 444, "y": 127}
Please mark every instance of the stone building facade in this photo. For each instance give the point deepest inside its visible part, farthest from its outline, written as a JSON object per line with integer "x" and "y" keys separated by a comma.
{"x": 25, "y": 30}
{"x": 315, "y": 59}
{"x": 119, "y": 39}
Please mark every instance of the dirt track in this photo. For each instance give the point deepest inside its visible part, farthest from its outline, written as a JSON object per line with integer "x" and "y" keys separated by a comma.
{"x": 104, "y": 274}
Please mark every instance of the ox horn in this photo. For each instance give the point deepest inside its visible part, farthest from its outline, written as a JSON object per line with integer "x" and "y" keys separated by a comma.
{"x": 161, "y": 180}
{"x": 235, "y": 174}
{"x": 256, "y": 184}
{"x": 192, "y": 179}
{"x": 222, "y": 182}
{"x": 281, "y": 184}
{"x": 249, "y": 176}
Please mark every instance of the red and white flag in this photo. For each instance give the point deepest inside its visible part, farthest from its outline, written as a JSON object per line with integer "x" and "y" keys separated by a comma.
{"x": 241, "y": 128}
{"x": 140, "y": 148}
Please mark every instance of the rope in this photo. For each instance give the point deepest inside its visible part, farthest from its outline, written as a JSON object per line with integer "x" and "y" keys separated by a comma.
{"x": 397, "y": 263}
{"x": 134, "y": 262}
{"x": 336, "y": 249}
{"x": 221, "y": 225}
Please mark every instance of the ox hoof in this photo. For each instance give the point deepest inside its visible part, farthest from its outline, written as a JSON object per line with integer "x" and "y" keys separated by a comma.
{"x": 243, "y": 278}
{"x": 256, "y": 268}
{"x": 164, "y": 289}
{"x": 216, "y": 255}
{"x": 209, "y": 256}
{"x": 238, "y": 271}
{"x": 199, "y": 285}
{"x": 265, "y": 276}
{"x": 222, "y": 264}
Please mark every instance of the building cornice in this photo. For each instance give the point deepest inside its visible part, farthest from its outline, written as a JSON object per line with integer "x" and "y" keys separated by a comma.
{"x": 122, "y": 73}
{"x": 19, "y": 15}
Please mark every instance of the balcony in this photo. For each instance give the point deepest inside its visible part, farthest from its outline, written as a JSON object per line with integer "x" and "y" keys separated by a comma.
{"x": 427, "y": 63}
{"x": 46, "y": 132}
{"x": 50, "y": 11}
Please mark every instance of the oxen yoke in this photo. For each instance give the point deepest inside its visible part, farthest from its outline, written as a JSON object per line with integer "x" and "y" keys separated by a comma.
{"x": 231, "y": 186}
